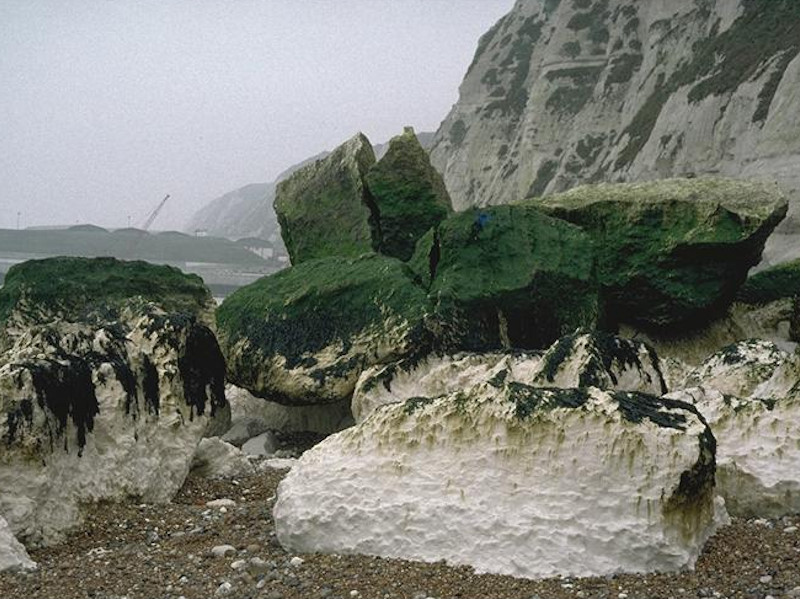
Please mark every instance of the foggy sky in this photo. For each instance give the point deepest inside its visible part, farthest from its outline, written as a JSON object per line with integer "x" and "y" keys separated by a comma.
{"x": 108, "y": 105}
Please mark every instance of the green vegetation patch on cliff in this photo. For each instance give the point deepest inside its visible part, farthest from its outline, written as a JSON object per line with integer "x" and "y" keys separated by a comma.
{"x": 409, "y": 195}
{"x": 672, "y": 253}
{"x": 324, "y": 209}
{"x": 77, "y": 287}
{"x": 319, "y": 303}
{"x": 508, "y": 276}
{"x": 765, "y": 36}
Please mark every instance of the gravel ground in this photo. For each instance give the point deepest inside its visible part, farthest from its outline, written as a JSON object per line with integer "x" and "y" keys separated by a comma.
{"x": 148, "y": 551}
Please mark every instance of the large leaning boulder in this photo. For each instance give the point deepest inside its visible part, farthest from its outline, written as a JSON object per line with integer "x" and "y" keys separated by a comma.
{"x": 511, "y": 479}
{"x": 108, "y": 381}
{"x": 672, "y": 253}
{"x": 410, "y": 196}
{"x": 304, "y": 335}
{"x": 578, "y": 360}
{"x": 325, "y": 209}
{"x": 508, "y": 276}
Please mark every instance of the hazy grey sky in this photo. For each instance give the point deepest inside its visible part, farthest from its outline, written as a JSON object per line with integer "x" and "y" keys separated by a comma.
{"x": 108, "y": 105}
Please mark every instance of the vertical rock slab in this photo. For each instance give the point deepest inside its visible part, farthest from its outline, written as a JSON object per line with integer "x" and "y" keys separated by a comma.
{"x": 512, "y": 480}
{"x": 409, "y": 194}
{"x": 673, "y": 253}
{"x": 324, "y": 209}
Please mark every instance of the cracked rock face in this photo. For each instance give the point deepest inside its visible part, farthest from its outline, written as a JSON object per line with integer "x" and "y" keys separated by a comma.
{"x": 98, "y": 404}
{"x": 578, "y": 360}
{"x": 563, "y": 93}
{"x": 511, "y": 479}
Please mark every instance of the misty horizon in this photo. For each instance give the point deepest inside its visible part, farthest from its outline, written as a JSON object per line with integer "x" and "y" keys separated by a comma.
{"x": 108, "y": 107}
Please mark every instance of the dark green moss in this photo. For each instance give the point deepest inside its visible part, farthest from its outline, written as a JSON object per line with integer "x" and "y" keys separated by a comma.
{"x": 508, "y": 267}
{"x": 769, "y": 285}
{"x": 622, "y": 69}
{"x": 409, "y": 196}
{"x": 412, "y": 404}
{"x": 518, "y": 62}
{"x": 571, "y": 49}
{"x": 550, "y": 6}
{"x": 457, "y": 133}
{"x": 530, "y": 400}
{"x": 637, "y": 407}
{"x": 79, "y": 287}
{"x": 308, "y": 307}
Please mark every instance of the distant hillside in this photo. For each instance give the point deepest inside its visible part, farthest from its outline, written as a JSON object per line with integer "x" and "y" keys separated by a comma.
{"x": 248, "y": 212}
{"x": 126, "y": 244}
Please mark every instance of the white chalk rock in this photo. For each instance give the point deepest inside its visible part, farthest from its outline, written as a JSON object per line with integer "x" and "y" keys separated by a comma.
{"x": 92, "y": 411}
{"x": 251, "y": 416}
{"x": 215, "y": 459}
{"x": 758, "y": 450}
{"x": 578, "y": 360}
{"x": 13, "y": 556}
{"x": 753, "y": 367}
{"x": 513, "y": 480}
{"x": 437, "y": 375}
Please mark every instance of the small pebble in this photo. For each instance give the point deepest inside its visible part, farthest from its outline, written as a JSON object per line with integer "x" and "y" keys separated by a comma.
{"x": 223, "y": 550}
{"x": 790, "y": 529}
{"x": 223, "y": 589}
{"x": 218, "y": 503}
{"x": 766, "y": 579}
{"x": 238, "y": 564}
{"x": 296, "y": 562}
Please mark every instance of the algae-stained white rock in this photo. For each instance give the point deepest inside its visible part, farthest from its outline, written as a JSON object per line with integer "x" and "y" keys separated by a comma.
{"x": 511, "y": 479}
{"x": 748, "y": 368}
{"x": 437, "y": 375}
{"x": 577, "y": 360}
{"x": 12, "y": 554}
{"x": 758, "y": 450}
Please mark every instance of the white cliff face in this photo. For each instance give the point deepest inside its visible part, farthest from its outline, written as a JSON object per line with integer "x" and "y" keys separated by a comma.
{"x": 513, "y": 480}
{"x": 562, "y": 93}
{"x": 12, "y": 554}
{"x": 758, "y": 450}
{"x": 91, "y": 411}
{"x": 578, "y": 360}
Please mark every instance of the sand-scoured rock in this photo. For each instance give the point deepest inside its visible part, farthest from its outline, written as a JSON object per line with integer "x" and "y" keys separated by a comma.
{"x": 511, "y": 479}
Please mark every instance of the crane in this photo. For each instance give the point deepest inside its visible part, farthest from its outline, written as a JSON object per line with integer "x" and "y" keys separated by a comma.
{"x": 134, "y": 245}
{"x": 154, "y": 214}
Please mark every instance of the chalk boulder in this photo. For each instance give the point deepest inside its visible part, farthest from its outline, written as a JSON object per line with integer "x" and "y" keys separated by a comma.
{"x": 511, "y": 479}
{"x": 13, "y": 556}
{"x": 104, "y": 397}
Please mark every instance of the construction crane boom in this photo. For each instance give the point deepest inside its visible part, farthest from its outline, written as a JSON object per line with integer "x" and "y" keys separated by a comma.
{"x": 154, "y": 214}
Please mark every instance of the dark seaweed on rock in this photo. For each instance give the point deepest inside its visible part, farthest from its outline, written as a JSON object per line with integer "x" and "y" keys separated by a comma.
{"x": 202, "y": 369}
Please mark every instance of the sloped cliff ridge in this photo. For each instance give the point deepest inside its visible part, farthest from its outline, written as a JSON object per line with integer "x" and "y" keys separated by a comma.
{"x": 105, "y": 388}
{"x": 563, "y": 92}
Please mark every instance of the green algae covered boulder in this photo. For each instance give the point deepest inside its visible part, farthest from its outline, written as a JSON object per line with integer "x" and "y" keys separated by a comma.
{"x": 775, "y": 283}
{"x": 77, "y": 288}
{"x": 324, "y": 209}
{"x": 672, "y": 253}
{"x": 303, "y": 335}
{"x": 409, "y": 194}
{"x": 508, "y": 276}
